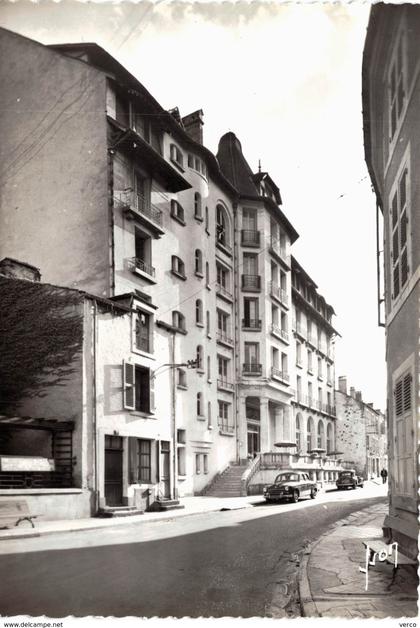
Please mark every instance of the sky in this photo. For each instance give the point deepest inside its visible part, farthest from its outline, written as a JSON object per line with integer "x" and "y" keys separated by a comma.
{"x": 286, "y": 79}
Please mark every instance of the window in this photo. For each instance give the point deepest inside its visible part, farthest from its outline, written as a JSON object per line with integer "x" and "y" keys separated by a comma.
{"x": 198, "y": 262}
{"x": 176, "y": 155}
{"x": 320, "y": 440}
{"x": 178, "y": 267}
{"x": 404, "y": 447}
{"x": 181, "y": 378}
{"x": 298, "y": 354}
{"x": 222, "y": 321}
{"x": 181, "y": 460}
{"x": 178, "y": 320}
{"x": 198, "y": 464}
{"x": 198, "y": 212}
{"x": 249, "y": 219}
{"x": 207, "y": 219}
{"x": 320, "y": 368}
{"x": 143, "y": 252}
{"x": 309, "y": 434}
{"x": 397, "y": 85}
{"x": 145, "y": 459}
{"x": 208, "y": 369}
{"x": 138, "y": 388}
{"x": 181, "y": 436}
{"x": 284, "y": 365}
{"x": 208, "y": 323}
{"x": 329, "y": 438}
{"x": 399, "y": 220}
{"x": 143, "y": 332}
{"x": 251, "y": 312}
{"x": 222, "y": 276}
{"x": 250, "y": 264}
{"x": 205, "y": 463}
{"x": 209, "y": 420}
{"x": 298, "y": 433}
{"x": 207, "y": 275}
{"x": 320, "y": 398}
{"x": 177, "y": 212}
{"x": 224, "y": 417}
{"x": 251, "y": 355}
{"x": 223, "y": 368}
{"x": 199, "y": 312}
{"x": 310, "y": 393}
{"x": 200, "y": 358}
{"x": 222, "y": 226}
{"x": 199, "y": 404}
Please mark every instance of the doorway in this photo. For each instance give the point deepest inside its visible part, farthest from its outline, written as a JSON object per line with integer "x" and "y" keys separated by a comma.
{"x": 165, "y": 469}
{"x": 253, "y": 439}
{"x": 113, "y": 470}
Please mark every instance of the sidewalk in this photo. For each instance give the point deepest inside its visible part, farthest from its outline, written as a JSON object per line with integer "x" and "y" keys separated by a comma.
{"x": 192, "y": 506}
{"x": 331, "y": 584}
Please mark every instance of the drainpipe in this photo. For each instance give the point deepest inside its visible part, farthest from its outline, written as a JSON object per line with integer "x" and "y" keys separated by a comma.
{"x": 173, "y": 397}
{"x": 236, "y": 310}
{"x": 94, "y": 406}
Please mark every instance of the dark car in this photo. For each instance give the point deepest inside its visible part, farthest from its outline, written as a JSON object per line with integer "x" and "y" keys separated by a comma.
{"x": 290, "y": 485}
{"x": 349, "y": 479}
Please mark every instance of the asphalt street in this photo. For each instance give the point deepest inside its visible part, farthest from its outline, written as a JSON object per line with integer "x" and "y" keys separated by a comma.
{"x": 212, "y": 565}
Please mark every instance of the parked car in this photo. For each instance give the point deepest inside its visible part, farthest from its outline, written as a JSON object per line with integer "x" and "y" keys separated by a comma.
{"x": 349, "y": 479}
{"x": 290, "y": 485}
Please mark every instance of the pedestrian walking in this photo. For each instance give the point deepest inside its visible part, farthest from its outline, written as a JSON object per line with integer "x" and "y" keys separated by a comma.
{"x": 384, "y": 475}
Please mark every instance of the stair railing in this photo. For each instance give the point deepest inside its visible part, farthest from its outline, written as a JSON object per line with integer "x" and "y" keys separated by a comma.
{"x": 249, "y": 473}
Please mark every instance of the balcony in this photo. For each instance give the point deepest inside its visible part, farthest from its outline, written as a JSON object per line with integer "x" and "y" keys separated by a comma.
{"x": 253, "y": 324}
{"x": 278, "y": 293}
{"x": 223, "y": 292}
{"x": 223, "y": 245}
{"x": 140, "y": 208}
{"x": 280, "y": 333}
{"x": 251, "y": 368}
{"x": 278, "y": 374}
{"x": 224, "y": 427}
{"x": 251, "y": 283}
{"x": 330, "y": 410}
{"x": 142, "y": 268}
{"x": 223, "y": 338}
{"x": 250, "y": 238}
{"x": 223, "y": 384}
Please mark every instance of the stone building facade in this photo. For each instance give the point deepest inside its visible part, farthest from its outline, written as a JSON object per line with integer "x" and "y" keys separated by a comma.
{"x": 391, "y": 93}
{"x": 361, "y": 437}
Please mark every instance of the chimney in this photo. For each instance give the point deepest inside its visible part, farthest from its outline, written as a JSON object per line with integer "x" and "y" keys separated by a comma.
{"x": 342, "y": 384}
{"x": 193, "y": 124}
{"x": 352, "y": 392}
{"x": 358, "y": 395}
{"x": 14, "y": 269}
{"x": 370, "y": 404}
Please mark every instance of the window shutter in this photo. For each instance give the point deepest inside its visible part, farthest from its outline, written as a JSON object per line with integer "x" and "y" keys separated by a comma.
{"x": 129, "y": 385}
{"x": 398, "y": 395}
{"x": 152, "y": 392}
{"x": 406, "y": 393}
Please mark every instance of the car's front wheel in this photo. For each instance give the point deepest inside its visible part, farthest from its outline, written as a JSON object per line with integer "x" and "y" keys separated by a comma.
{"x": 313, "y": 493}
{"x": 295, "y": 497}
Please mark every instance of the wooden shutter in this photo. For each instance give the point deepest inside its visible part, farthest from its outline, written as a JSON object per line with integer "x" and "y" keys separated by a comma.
{"x": 129, "y": 385}
{"x": 152, "y": 392}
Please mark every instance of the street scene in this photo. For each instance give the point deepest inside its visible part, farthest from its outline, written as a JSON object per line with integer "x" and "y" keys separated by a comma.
{"x": 209, "y": 305}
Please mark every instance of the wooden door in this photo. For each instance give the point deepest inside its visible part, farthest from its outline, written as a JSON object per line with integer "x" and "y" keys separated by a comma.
{"x": 113, "y": 470}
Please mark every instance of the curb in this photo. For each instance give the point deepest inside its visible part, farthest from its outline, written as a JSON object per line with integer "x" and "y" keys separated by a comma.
{"x": 307, "y": 604}
{"x": 119, "y": 522}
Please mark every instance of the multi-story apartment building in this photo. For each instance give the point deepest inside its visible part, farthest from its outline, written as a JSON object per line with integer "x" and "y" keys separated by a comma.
{"x": 391, "y": 93}
{"x": 360, "y": 432}
{"x": 314, "y": 334}
{"x": 115, "y": 196}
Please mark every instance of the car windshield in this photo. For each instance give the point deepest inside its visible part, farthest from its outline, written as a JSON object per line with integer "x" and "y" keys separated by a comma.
{"x": 287, "y": 477}
{"x": 346, "y": 474}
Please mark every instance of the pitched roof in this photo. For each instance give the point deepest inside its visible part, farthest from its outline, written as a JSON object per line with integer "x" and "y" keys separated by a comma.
{"x": 234, "y": 165}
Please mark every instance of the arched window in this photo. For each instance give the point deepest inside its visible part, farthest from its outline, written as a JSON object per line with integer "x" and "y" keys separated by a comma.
{"x": 222, "y": 226}
{"x": 199, "y": 311}
{"x": 320, "y": 440}
{"x": 298, "y": 433}
{"x": 197, "y": 205}
{"x": 199, "y": 404}
{"x": 207, "y": 275}
{"x": 200, "y": 357}
{"x": 309, "y": 434}
{"x": 178, "y": 320}
{"x": 198, "y": 262}
{"x": 330, "y": 443}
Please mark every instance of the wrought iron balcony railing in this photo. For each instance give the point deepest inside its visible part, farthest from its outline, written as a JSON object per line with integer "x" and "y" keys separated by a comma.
{"x": 138, "y": 264}
{"x": 224, "y": 292}
{"x": 224, "y": 426}
{"x": 221, "y": 336}
{"x": 275, "y": 372}
{"x": 141, "y": 205}
{"x": 223, "y": 384}
{"x": 251, "y": 282}
{"x": 250, "y": 237}
{"x": 251, "y": 323}
{"x": 252, "y": 367}
{"x": 278, "y": 293}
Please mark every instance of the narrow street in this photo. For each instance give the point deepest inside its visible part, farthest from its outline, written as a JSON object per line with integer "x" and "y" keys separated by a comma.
{"x": 215, "y": 564}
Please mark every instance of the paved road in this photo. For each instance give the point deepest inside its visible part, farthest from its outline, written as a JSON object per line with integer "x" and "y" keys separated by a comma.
{"x": 215, "y": 564}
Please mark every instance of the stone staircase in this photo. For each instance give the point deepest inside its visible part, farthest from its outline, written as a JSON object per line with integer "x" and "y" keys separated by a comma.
{"x": 119, "y": 511}
{"x": 228, "y": 483}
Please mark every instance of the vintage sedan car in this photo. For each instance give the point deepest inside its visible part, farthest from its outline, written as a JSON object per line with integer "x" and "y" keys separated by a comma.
{"x": 349, "y": 479}
{"x": 290, "y": 485}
